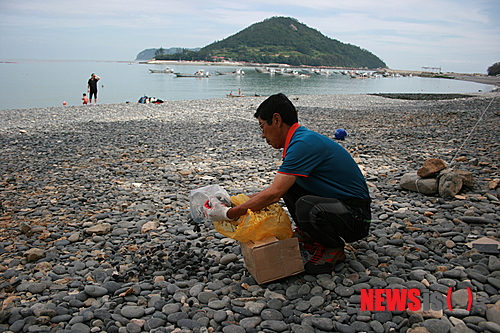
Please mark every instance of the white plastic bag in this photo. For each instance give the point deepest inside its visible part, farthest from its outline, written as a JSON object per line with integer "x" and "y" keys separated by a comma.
{"x": 198, "y": 197}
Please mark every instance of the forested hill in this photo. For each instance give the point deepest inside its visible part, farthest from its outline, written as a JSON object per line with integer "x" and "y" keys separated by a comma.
{"x": 283, "y": 40}
{"x": 149, "y": 54}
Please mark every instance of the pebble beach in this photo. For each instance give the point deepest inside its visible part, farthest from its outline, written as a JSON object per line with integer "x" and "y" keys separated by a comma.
{"x": 95, "y": 231}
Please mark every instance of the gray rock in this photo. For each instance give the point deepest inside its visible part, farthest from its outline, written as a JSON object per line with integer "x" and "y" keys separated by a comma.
{"x": 132, "y": 311}
{"x": 233, "y": 329}
{"x": 493, "y": 264}
{"x": 250, "y": 322}
{"x": 357, "y": 266}
{"x": 216, "y": 304}
{"x": 325, "y": 324}
{"x": 317, "y": 301}
{"x": 175, "y": 317}
{"x": 153, "y": 323}
{"x": 189, "y": 323}
{"x": 493, "y": 313}
{"x": 436, "y": 326}
{"x": 95, "y": 291}
{"x": 344, "y": 291}
{"x": 220, "y": 316}
{"x": 274, "y": 325}
{"x": 271, "y": 314}
{"x": 228, "y": 258}
{"x": 171, "y": 308}
{"x": 450, "y": 183}
{"x": 411, "y": 181}
{"x": 492, "y": 327}
{"x": 205, "y": 296}
{"x": 36, "y": 287}
{"x": 461, "y": 328}
{"x": 133, "y": 328}
{"x": 255, "y": 307}
{"x": 345, "y": 328}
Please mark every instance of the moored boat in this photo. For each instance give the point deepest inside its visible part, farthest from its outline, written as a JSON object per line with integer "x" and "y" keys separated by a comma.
{"x": 292, "y": 73}
{"x": 166, "y": 70}
{"x": 238, "y": 72}
{"x": 199, "y": 73}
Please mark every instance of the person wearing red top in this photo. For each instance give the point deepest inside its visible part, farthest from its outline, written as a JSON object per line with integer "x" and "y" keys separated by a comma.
{"x": 85, "y": 99}
{"x": 321, "y": 184}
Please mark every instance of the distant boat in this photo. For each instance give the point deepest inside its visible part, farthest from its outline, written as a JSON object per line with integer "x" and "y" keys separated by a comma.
{"x": 166, "y": 70}
{"x": 293, "y": 73}
{"x": 321, "y": 72}
{"x": 238, "y": 72}
{"x": 199, "y": 73}
{"x": 266, "y": 70}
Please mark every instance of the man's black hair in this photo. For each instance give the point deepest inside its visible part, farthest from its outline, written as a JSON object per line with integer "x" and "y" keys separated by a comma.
{"x": 280, "y": 104}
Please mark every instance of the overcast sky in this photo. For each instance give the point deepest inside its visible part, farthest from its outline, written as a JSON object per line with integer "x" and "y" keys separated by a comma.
{"x": 456, "y": 35}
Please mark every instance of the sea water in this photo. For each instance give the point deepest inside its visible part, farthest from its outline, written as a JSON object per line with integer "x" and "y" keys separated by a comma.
{"x": 34, "y": 84}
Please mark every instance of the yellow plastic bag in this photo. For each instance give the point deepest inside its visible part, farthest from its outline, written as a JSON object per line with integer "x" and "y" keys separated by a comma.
{"x": 254, "y": 226}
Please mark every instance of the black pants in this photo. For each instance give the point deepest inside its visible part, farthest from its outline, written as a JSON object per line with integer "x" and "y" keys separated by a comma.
{"x": 328, "y": 221}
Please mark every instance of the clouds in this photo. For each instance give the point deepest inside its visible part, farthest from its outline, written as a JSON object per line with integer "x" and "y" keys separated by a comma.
{"x": 405, "y": 34}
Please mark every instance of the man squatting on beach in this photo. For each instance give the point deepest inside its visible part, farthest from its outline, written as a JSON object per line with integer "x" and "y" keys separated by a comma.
{"x": 321, "y": 184}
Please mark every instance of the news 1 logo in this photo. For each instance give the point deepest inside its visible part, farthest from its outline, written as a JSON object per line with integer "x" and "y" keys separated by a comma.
{"x": 412, "y": 299}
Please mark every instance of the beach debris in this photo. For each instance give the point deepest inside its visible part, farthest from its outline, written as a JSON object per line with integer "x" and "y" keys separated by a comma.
{"x": 485, "y": 245}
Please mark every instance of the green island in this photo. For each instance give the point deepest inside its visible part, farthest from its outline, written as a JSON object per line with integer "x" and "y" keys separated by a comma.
{"x": 282, "y": 40}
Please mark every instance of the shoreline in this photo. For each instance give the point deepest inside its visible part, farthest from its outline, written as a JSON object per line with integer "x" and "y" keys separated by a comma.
{"x": 51, "y": 116}
{"x": 491, "y": 80}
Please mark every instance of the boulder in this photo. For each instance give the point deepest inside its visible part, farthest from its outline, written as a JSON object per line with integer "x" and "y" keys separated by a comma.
{"x": 411, "y": 181}
{"x": 431, "y": 167}
{"x": 467, "y": 179}
{"x": 450, "y": 183}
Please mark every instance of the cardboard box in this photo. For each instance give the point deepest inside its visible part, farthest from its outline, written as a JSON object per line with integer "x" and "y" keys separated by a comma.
{"x": 272, "y": 259}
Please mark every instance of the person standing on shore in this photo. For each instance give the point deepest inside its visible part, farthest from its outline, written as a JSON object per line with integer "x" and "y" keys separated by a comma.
{"x": 92, "y": 87}
{"x": 319, "y": 181}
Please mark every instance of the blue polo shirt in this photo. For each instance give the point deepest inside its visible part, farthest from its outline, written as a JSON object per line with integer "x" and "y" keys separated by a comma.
{"x": 323, "y": 166}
